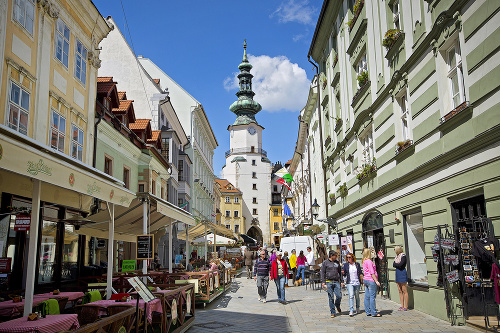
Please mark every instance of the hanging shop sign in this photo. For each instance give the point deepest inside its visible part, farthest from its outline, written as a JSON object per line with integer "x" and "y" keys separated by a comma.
{"x": 333, "y": 240}
{"x": 22, "y": 223}
{"x": 5, "y": 264}
{"x": 144, "y": 247}
{"x": 128, "y": 265}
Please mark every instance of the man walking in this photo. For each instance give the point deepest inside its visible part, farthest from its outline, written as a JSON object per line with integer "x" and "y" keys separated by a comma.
{"x": 249, "y": 262}
{"x": 310, "y": 257}
{"x": 331, "y": 275}
{"x": 261, "y": 275}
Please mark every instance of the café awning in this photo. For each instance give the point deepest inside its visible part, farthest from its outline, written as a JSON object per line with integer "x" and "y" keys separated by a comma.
{"x": 221, "y": 240}
{"x": 129, "y": 220}
{"x": 25, "y": 156}
{"x": 199, "y": 230}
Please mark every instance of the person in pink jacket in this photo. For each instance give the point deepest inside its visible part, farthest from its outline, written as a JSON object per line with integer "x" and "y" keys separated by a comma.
{"x": 370, "y": 280}
{"x": 301, "y": 266}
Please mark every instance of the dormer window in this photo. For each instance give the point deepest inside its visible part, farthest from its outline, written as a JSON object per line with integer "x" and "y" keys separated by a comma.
{"x": 106, "y": 103}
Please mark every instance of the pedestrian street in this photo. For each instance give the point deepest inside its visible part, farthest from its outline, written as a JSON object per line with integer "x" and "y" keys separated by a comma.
{"x": 239, "y": 310}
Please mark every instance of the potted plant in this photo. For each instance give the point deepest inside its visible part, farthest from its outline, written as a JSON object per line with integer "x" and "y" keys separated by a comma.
{"x": 332, "y": 198}
{"x": 343, "y": 190}
{"x": 356, "y": 9}
{"x": 390, "y": 37}
{"x": 362, "y": 78}
{"x": 402, "y": 145}
{"x": 367, "y": 170}
{"x": 338, "y": 121}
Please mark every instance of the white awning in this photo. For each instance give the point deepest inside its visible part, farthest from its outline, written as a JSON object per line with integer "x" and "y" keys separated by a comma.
{"x": 199, "y": 230}
{"x": 26, "y": 157}
{"x": 129, "y": 220}
{"x": 221, "y": 240}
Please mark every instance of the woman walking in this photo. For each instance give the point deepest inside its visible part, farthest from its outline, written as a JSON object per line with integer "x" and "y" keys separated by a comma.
{"x": 401, "y": 277}
{"x": 293, "y": 266}
{"x": 301, "y": 266}
{"x": 354, "y": 277}
{"x": 370, "y": 280}
{"x": 279, "y": 273}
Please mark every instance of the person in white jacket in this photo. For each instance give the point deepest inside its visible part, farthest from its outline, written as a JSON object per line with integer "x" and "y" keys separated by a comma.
{"x": 310, "y": 257}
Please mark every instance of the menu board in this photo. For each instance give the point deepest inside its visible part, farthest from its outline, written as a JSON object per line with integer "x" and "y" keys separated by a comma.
{"x": 144, "y": 247}
{"x": 141, "y": 289}
{"x": 128, "y": 265}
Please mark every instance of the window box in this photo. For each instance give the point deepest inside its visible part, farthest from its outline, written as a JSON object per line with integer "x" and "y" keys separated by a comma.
{"x": 391, "y": 37}
{"x": 367, "y": 171}
{"x": 328, "y": 141}
{"x": 403, "y": 145}
{"x": 362, "y": 89}
{"x": 332, "y": 199}
{"x": 358, "y": 6}
{"x": 453, "y": 113}
{"x": 335, "y": 60}
{"x": 338, "y": 124}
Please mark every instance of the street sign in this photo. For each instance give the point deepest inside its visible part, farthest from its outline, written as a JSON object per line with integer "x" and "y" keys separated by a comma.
{"x": 144, "y": 247}
{"x": 22, "y": 223}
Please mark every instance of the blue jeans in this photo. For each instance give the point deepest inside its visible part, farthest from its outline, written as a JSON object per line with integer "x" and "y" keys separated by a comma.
{"x": 301, "y": 269}
{"x": 370, "y": 294}
{"x": 333, "y": 289}
{"x": 280, "y": 287}
{"x": 353, "y": 293}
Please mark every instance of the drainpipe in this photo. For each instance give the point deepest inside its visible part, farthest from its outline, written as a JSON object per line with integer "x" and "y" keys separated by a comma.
{"x": 310, "y": 179}
{"x": 94, "y": 153}
{"x": 320, "y": 137}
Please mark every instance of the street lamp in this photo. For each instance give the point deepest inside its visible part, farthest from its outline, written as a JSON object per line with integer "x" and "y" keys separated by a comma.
{"x": 315, "y": 209}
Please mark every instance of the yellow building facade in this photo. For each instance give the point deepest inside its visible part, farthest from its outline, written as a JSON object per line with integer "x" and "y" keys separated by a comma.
{"x": 231, "y": 206}
{"x": 276, "y": 223}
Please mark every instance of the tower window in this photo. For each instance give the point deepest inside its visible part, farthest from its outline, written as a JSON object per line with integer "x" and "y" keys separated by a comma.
{"x": 254, "y": 200}
{"x": 254, "y": 174}
{"x": 253, "y": 162}
{"x": 252, "y": 149}
{"x": 254, "y": 186}
{"x": 254, "y": 211}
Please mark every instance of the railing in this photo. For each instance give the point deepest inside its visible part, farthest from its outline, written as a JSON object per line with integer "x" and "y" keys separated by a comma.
{"x": 246, "y": 150}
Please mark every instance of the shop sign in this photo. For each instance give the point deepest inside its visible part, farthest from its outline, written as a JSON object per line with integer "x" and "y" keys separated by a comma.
{"x": 22, "y": 223}
{"x": 333, "y": 240}
{"x": 144, "y": 247}
{"x": 128, "y": 265}
{"x": 5, "y": 264}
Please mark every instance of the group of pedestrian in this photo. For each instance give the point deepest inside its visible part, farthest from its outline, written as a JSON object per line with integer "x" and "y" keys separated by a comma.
{"x": 273, "y": 268}
{"x": 332, "y": 274}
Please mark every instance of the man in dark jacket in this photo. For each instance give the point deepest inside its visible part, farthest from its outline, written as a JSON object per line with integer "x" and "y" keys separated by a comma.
{"x": 249, "y": 262}
{"x": 331, "y": 277}
{"x": 261, "y": 271}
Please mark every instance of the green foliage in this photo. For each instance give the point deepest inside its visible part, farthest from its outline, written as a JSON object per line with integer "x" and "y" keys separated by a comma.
{"x": 362, "y": 78}
{"x": 390, "y": 37}
{"x": 367, "y": 170}
{"x": 343, "y": 190}
{"x": 331, "y": 196}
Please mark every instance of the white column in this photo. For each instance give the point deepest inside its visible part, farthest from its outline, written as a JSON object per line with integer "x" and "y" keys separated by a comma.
{"x": 215, "y": 242}
{"x": 33, "y": 245}
{"x": 145, "y": 231}
{"x": 187, "y": 246}
{"x": 170, "y": 248}
{"x": 111, "y": 243}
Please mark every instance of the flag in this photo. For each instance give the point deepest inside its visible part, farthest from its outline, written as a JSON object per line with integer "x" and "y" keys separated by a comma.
{"x": 283, "y": 173}
{"x": 184, "y": 205}
{"x": 286, "y": 210}
{"x": 283, "y": 182}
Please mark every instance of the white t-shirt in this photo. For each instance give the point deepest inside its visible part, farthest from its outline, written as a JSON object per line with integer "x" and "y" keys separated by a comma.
{"x": 353, "y": 274}
{"x": 310, "y": 259}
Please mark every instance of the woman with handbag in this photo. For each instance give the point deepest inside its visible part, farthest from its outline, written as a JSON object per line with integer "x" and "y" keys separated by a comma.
{"x": 354, "y": 277}
{"x": 401, "y": 277}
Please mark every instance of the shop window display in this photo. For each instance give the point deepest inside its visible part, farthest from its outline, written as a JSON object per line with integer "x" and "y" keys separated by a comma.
{"x": 415, "y": 245}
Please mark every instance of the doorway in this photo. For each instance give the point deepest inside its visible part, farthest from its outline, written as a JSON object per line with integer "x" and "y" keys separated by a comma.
{"x": 373, "y": 237}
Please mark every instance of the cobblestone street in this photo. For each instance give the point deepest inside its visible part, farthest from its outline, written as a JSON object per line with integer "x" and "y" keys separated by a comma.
{"x": 307, "y": 311}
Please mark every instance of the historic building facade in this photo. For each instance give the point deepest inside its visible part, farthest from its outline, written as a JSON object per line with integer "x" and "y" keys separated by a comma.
{"x": 247, "y": 166}
{"x": 409, "y": 97}
{"x": 231, "y": 206}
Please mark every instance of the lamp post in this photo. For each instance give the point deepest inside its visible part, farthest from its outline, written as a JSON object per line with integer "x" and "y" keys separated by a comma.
{"x": 315, "y": 209}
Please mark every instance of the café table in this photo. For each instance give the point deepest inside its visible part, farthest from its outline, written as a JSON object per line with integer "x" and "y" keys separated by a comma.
{"x": 11, "y": 309}
{"x": 72, "y": 295}
{"x": 49, "y": 324}
{"x": 154, "y": 305}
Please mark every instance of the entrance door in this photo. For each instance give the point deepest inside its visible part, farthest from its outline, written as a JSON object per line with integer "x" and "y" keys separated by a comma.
{"x": 373, "y": 237}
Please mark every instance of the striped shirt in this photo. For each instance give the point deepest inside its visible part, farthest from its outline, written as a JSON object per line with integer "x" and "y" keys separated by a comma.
{"x": 262, "y": 267}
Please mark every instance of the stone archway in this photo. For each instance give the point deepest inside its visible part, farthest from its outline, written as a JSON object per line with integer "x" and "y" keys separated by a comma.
{"x": 255, "y": 233}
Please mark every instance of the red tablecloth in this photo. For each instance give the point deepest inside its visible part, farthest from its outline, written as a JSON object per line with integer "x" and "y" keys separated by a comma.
{"x": 49, "y": 324}
{"x": 10, "y": 309}
{"x": 154, "y": 305}
{"x": 71, "y": 294}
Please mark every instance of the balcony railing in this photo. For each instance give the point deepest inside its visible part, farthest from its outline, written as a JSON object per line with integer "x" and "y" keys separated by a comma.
{"x": 246, "y": 150}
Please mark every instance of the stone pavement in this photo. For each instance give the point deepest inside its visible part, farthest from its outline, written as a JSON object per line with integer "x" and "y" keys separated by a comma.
{"x": 238, "y": 310}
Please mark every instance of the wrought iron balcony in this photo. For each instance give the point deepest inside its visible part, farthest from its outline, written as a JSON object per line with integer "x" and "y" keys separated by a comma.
{"x": 246, "y": 150}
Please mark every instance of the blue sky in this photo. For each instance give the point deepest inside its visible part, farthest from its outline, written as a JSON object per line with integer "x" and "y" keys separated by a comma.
{"x": 199, "y": 44}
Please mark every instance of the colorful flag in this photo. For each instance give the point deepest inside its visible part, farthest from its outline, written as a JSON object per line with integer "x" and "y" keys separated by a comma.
{"x": 286, "y": 210}
{"x": 283, "y": 182}
{"x": 283, "y": 173}
{"x": 184, "y": 205}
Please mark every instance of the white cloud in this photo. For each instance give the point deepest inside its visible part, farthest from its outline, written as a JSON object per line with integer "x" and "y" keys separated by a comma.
{"x": 279, "y": 85}
{"x": 295, "y": 11}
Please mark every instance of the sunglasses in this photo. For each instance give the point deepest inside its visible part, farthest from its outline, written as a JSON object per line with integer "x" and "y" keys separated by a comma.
{"x": 349, "y": 257}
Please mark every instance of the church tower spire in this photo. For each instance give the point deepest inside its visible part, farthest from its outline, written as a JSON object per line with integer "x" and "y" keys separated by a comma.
{"x": 245, "y": 107}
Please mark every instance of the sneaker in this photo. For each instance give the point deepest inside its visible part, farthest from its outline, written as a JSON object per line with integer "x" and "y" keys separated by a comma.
{"x": 264, "y": 300}
{"x": 260, "y": 299}
{"x": 351, "y": 314}
{"x": 332, "y": 316}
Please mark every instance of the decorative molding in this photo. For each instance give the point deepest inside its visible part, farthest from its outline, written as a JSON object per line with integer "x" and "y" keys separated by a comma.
{"x": 48, "y": 7}
{"x": 23, "y": 71}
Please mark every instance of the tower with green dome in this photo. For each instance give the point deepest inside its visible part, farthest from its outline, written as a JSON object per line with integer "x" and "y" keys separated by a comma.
{"x": 247, "y": 166}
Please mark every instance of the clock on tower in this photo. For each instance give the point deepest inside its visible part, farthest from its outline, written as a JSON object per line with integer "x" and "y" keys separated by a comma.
{"x": 252, "y": 130}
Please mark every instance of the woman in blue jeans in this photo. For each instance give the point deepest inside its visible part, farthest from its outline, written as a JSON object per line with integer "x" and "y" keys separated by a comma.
{"x": 279, "y": 273}
{"x": 370, "y": 280}
{"x": 301, "y": 265}
{"x": 354, "y": 277}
